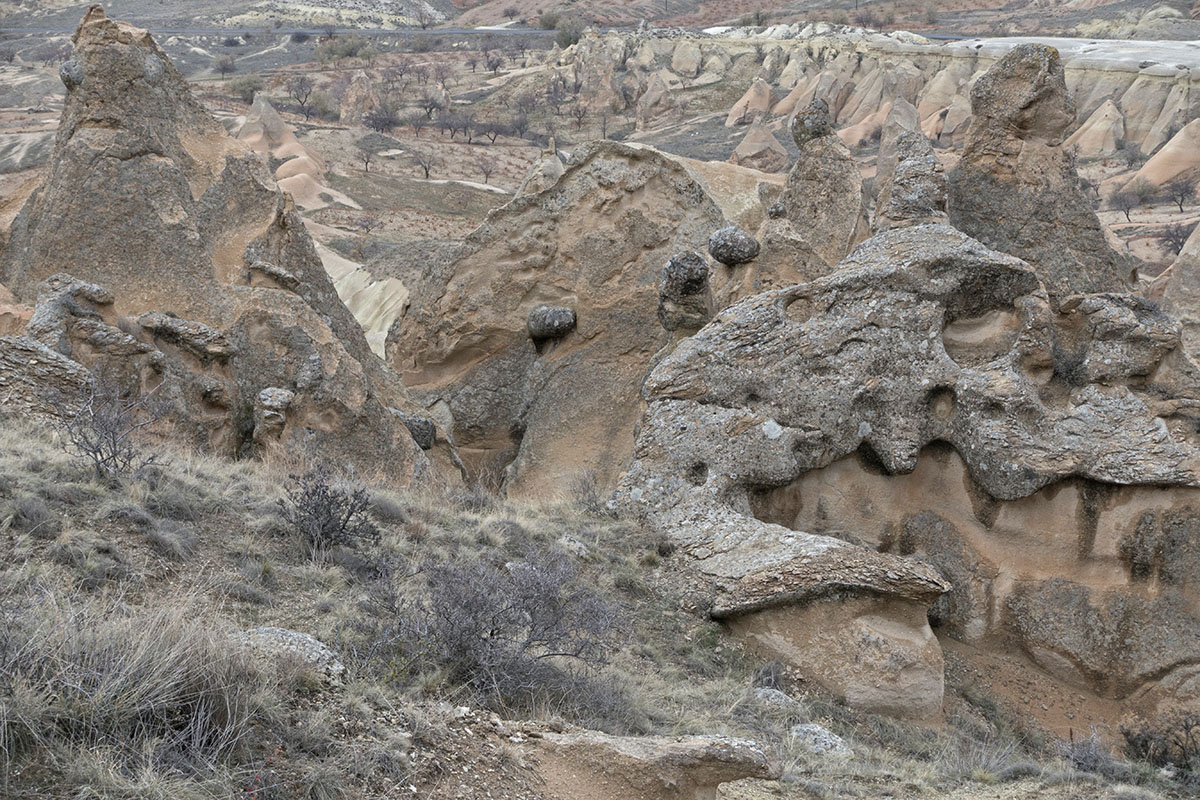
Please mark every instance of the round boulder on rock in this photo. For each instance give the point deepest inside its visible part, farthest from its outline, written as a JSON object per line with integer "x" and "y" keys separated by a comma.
{"x": 685, "y": 274}
{"x": 551, "y": 322}
{"x": 732, "y": 246}
{"x": 812, "y": 123}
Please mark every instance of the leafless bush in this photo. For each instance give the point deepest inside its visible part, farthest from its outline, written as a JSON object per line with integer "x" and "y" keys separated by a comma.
{"x": 515, "y": 632}
{"x": 326, "y": 515}
{"x": 101, "y": 424}
{"x": 1169, "y": 740}
{"x": 1173, "y": 237}
{"x": 1088, "y": 754}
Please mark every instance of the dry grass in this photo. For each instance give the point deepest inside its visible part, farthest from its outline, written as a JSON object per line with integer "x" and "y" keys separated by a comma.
{"x": 120, "y": 597}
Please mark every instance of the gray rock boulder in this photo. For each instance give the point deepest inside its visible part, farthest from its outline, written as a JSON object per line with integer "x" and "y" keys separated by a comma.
{"x": 732, "y": 246}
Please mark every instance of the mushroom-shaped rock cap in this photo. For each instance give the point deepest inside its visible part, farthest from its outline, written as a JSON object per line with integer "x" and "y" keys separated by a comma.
{"x": 551, "y": 322}
{"x": 685, "y": 274}
{"x": 812, "y": 123}
{"x": 732, "y": 246}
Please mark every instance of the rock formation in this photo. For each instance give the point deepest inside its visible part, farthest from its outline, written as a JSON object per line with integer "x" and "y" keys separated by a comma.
{"x": 585, "y": 765}
{"x": 913, "y": 192}
{"x": 823, "y": 196}
{"x": 536, "y": 414}
{"x": 926, "y": 398}
{"x": 759, "y": 149}
{"x": 1015, "y": 188}
{"x": 201, "y": 273}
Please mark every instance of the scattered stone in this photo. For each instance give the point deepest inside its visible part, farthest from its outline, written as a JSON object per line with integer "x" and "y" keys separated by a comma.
{"x": 281, "y": 642}
{"x": 684, "y": 300}
{"x": 423, "y": 429}
{"x": 819, "y": 740}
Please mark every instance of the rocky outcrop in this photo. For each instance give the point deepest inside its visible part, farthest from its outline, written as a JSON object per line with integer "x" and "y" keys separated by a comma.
{"x": 1101, "y": 134}
{"x": 913, "y": 192}
{"x": 926, "y": 398}
{"x": 202, "y": 272}
{"x": 657, "y": 106}
{"x": 1015, "y": 187}
{"x": 759, "y": 149}
{"x": 823, "y": 196}
{"x": 534, "y": 414}
{"x": 588, "y": 764}
{"x": 1179, "y": 157}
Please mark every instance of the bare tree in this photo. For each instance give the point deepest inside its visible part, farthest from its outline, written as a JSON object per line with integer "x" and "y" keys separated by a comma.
{"x": 381, "y": 118}
{"x": 1143, "y": 190}
{"x": 487, "y": 165}
{"x": 225, "y": 65}
{"x": 579, "y": 112}
{"x": 367, "y": 223}
{"x": 424, "y": 16}
{"x": 430, "y": 102}
{"x": 556, "y": 96}
{"x": 472, "y": 61}
{"x": 443, "y": 73}
{"x": 520, "y": 125}
{"x": 300, "y": 89}
{"x": 491, "y": 129}
{"x": 511, "y": 12}
{"x": 366, "y": 155}
{"x": 493, "y": 61}
{"x": 425, "y": 160}
{"x": 421, "y": 73}
{"x": 1180, "y": 190}
{"x": 604, "y": 124}
{"x": 1125, "y": 202}
{"x": 1174, "y": 237}
{"x": 417, "y": 121}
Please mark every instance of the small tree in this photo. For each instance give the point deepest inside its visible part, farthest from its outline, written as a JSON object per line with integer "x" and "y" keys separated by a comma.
{"x": 381, "y": 118}
{"x": 424, "y": 16}
{"x": 416, "y": 120}
{"x": 430, "y": 102}
{"x": 300, "y": 89}
{"x": 443, "y": 73}
{"x": 568, "y": 32}
{"x": 487, "y": 165}
{"x": 1124, "y": 202}
{"x": 511, "y": 12}
{"x": 604, "y": 124}
{"x": 425, "y": 160}
{"x": 225, "y": 65}
{"x": 366, "y": 155}
{"x": 491, "y": 129}
{"x": 1174, "y": 237}
{"x": 520, "y": 125}
{"x": 493, "y": 61}
{"x": 579, "y": 112}
{"x": 246, "y": 87}
{"x": 421, "y": 73}
{"x": 1143, "y": 190}
{"x": 1132, "y": 155}
{"x": 1180, "y": 190}
{"x": 472, "y": 61}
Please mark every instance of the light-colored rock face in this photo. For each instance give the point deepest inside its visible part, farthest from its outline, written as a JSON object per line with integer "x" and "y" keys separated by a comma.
{"x": 748, "y": 455}
{"x": 657, "y": 105}
{"x": 759, "y": 149}
{"x": 1178, "y": 157}
{"x": 590, "y": 765}
{"x": 541, "y": 413}
{"x": 1015, "y": 188}
{"x": 178, "y": 225}
{"x": 1101, "y": 134}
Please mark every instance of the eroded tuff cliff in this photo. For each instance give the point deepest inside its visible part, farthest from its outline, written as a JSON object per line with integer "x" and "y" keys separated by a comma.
{"x": 160, "y": 249}
{"x": 550, "y": 396}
